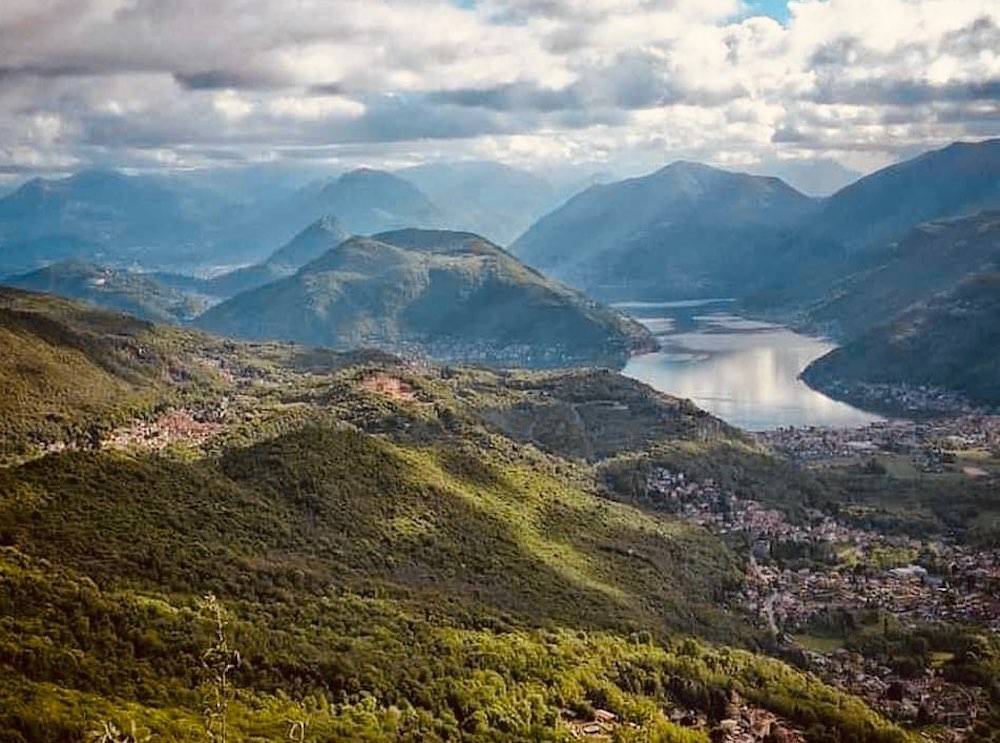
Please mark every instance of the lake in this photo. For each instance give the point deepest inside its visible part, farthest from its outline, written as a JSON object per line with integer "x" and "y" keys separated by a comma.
{"x": 744, "y": 371}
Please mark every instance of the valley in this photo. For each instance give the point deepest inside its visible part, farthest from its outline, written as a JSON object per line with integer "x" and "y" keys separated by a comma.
{"x": 534, "y": 545}
{"x": 389, "y": 485}
{"x": 500, "y": 371}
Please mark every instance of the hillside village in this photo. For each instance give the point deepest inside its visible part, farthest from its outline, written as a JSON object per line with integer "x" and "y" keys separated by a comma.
{"x": 803, "y": 574}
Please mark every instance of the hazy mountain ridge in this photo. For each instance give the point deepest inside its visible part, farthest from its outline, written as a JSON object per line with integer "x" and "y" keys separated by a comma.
{"x": 164, "y": 222}
{"x": 690, "y": 230}
{"x": 126, "y": 218}
{"x": 116, "y": 289}
{"x": 490, "y": 199}
{"x": 451, "y": 295}
{"x": 686, "y": 230}
{"x": 308, "y": 245}
{"x": 961, "y": 178}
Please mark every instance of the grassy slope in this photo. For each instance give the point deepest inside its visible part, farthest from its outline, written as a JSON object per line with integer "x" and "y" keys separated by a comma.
{"x": 68, "y": 372}
{"x": 430, "y": 578}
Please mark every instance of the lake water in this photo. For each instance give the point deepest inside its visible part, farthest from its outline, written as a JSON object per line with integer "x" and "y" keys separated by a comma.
{"x": 744, "y": 371}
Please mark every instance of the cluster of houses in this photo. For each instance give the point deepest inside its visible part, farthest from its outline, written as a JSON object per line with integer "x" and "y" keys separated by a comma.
{"x": 905, "y": 398}
{"x": 928, "y": 444}
{"x": 840, "y": 575}
{"x": 191, "y": 426}
{"x": 741, "y": 723}
{"x": 924, "y": 699}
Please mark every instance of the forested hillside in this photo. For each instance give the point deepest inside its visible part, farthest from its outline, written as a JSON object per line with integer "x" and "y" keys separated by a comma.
{"x": 383, "y": 562}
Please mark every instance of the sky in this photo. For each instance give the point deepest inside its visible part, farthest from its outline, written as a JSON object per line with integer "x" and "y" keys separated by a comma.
{"x": 824, "y": 89}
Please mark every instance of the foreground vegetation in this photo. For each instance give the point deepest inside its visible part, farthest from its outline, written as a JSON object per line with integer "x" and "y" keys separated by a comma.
{"x": 391, "y": 553}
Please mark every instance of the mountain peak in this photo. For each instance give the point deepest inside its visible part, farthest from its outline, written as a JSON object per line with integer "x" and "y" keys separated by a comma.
{"x": 327, "y": 223}
{"x": 690, "y": 166}
{"x": 322, "y": 235}
{"x": 97, "y": 177}
{"x": 359, "y": 175}
{"x": 450, "y": 295}
{"x": 437, "y": 241}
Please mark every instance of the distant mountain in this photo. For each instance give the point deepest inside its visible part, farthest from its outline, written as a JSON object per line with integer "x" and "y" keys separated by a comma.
{"x": 124, "y": 217}
{"x": 487, "y": 198}
{"x": 687, "y": 230}
{"x": 22, "y": 256}
{"x": 365, "y": 201}
{"x": 448, "y": 295}
{"x": 185, "y": 222}
{"x": 372, "y": 201}
{"x": 690, "y": 230}
{"x": 951, "y": 341}
{"x": 930, "y": 258}
{"x": 959, "y": 179}
{"x": 125, "y": 291}
{"x": 814, "y": 176}
{"x": 858, "y": 228}
{"x": 311, "y": 243}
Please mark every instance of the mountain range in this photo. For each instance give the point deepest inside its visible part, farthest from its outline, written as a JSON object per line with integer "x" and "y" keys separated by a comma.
{"x": 319, "y": 237}
{"x": 118, "y": 289}
{"x": 689, "y": 230}
{"x": 842, "y": 265}
{"x": 453, "y": 295}
{"x": 104, "y": 215}
{"x": 929, "y": 315}
{"x": 486, "y": 198}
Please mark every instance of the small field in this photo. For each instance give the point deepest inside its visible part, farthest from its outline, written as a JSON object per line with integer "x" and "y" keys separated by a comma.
{"x": 819, "y": 643}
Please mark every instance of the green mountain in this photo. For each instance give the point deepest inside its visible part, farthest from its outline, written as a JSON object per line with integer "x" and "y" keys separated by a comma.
{"x": 949, "y": 341}
{"x": 116, "y": 216}
{"x": 693, "y": 231}
{"x": 931, "y": 258}
{"x": 919, "y": 316}
{"x": 126, "y": 291}
{"x": 449, "y": 295}
{"x": 859, "y": 228}
{"x": 264, "y": 542}
{"x": 70, "y": 372}
{"x": 687, "y": 230}
{"x": 959, "y": 179}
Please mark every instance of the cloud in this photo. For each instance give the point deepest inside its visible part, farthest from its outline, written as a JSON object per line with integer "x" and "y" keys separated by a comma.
{"x": 228, "y": 79}
{"x": 637, "y": 82}
{"x": 905, "y": 92}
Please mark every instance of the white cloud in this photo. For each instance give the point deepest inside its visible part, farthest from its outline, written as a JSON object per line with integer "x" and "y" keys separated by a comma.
{"x": 547, "y": 80}
{"x": 316, "y": 108}
{"x": 231, "y": 105}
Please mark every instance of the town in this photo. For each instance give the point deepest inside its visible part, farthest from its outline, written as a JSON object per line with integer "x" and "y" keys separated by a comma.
{"x": 930, "y": 444}
{"x": 819, "y": 576}
{"x": 903, "y": 399}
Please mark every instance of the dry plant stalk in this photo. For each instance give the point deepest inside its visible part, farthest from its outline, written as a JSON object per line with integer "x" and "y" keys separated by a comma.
{"x": 219, "y": 661}
{"x": 109, "y": 732}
